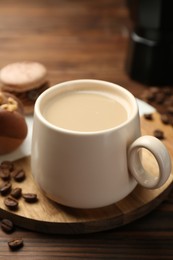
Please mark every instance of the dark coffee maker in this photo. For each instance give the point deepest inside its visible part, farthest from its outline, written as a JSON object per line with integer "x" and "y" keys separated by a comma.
{"x": 150, "y": 50}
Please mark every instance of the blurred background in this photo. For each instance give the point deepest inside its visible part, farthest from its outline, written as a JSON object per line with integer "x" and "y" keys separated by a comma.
{"x": 128, "y": 42}
{"x": 73, "y": 39}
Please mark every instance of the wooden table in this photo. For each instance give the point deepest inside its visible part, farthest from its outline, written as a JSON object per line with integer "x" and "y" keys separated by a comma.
{"x": 80, "y": 39}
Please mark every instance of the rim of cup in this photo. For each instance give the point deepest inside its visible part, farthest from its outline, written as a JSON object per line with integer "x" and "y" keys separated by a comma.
{"x": 129, "y": 98}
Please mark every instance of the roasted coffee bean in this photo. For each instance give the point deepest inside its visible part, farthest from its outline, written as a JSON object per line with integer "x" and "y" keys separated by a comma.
{"x": 150, "y": 97}
{"x": 11, "y": 203}
{"x": 148, "y": 116}
{"x": 168, "y": 103}
{"x": 7, "y": 226}
{"x": 30, "y": 197}
{"x": 16, "y": 193}
{"x": 5, "y": 174}
{"x": 5, "y": 189}
{"x": 165, "y": 119}
{"x": 154, "y": 90}
{"x": 18, "y": 175}
{"x": 15, "y": 244}
{"x": 159, "y": 134}
{"x": 7, "y": 165}
{"x": 160, "y": 98}
{"x": 167, "y": 91}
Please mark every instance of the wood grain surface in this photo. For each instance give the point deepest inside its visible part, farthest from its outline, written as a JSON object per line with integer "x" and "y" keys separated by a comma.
{"x": 81, "y": 39}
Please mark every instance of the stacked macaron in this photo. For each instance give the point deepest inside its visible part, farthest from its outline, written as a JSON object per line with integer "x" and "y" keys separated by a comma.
{"x": 20, "y": 85}
{"x": 26, "y": 80}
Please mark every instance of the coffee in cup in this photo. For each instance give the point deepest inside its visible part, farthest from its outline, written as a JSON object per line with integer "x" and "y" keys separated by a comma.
{"x": 85, "y": 111}
{"x": 86, "y": 145}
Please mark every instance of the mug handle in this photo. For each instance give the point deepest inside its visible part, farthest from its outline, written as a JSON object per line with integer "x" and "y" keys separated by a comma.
{"x": 159, "y": 151}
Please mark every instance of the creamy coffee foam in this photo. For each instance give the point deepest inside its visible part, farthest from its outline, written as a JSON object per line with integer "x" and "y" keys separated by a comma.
{"x": 85, "y": 111}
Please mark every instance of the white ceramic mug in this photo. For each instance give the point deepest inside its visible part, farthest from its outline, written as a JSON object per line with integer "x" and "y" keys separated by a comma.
{"x": 93, "y": 169}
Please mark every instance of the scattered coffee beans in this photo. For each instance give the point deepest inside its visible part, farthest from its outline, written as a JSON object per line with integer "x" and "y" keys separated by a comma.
{"x": 162, "y": 99}
{"x": 16, "y": 193}
{"x": 18, "y": 175}
{"x": 15, "y": 244}
{"x": 7, "y": 226}
{"x": 7, "y": 170}
{"x": 11, "y": 203}
{"x": 5, "y": 189}
{"x": 30, "y": 197}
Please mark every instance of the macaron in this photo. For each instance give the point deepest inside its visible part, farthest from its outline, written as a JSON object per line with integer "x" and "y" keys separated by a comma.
{"x": 26, "y": 80}
{"x": 13, "y": 127}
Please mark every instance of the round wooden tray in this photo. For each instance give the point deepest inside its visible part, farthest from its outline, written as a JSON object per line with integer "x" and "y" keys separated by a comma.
{"x": 50, "y": 217}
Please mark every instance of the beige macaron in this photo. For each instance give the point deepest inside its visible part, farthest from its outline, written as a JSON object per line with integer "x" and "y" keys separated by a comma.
{"x": 26, "y": 80}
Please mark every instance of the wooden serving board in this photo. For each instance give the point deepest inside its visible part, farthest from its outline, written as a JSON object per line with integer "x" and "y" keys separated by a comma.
{"x": 49, "y": 217}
